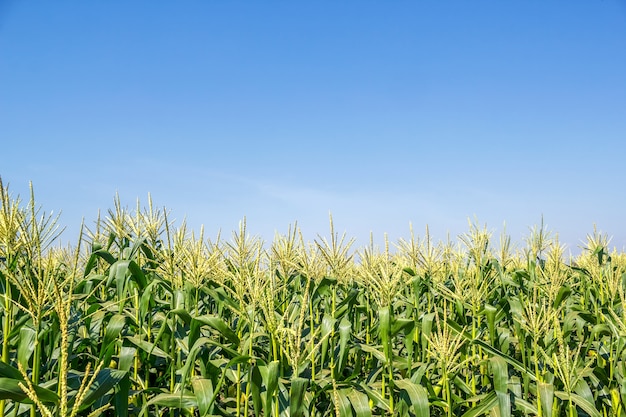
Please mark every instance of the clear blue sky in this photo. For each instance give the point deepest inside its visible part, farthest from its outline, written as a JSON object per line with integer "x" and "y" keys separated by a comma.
{"x": 382, "y": 112}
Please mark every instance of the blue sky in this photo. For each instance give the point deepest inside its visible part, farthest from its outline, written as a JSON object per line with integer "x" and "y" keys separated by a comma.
{"x": 383, "y": 113}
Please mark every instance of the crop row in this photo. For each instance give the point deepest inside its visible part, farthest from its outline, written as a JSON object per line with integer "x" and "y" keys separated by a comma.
{"x": 145, "y": 318}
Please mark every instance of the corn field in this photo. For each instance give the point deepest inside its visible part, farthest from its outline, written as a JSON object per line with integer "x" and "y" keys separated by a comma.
{"x": 145, "y": 318}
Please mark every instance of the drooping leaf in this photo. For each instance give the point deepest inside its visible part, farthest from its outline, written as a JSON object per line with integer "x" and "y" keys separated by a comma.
{"x": 343, "y": 403}
{"x": 113, "y": 329}
{"x": 120, "y": 399}
{"x": 218, "y": 324}
{"x": 417, "y": 396}
{"x": 345, "y": 331}
{"x": 203, "y": 389}
{"x": 487, "y": 403}
{"x": 26, "y": 345}
{"x": 402, "y": 325}
{"x": 148, "y": 347}
{"x": 546, "y": 397}
{"x": 500, "y": 383}
{"x": 106, "y": 380}
{"x": 10, "y": 390}
{"x": 176, "y": 401}
{"x": 298, "y": 388}
{"x": 360, "y": 403}
{"x": 256, "y": 385}
{"x": 7, "y": 371}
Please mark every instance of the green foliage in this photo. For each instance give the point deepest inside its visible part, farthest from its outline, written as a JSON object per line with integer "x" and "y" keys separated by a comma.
{"x": 146, "y": 319}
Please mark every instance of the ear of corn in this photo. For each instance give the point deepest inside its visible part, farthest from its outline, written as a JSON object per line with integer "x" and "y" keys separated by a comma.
{"x": 148, "y": 318}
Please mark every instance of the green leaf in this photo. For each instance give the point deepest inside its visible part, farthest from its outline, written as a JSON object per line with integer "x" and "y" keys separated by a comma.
{"x": 345, "y": 331}
{"x": 562, "y": 295}
{"x": 148, "y": 347}
{"x": 510, "y": 360}
{"x": 117, "y": 274}
{"x": 221, "y": 297}
{"x": 264, "y": 376}
{"x": 120, "y": 399}
{"x": 26, "y": 345}
{"x": 376, "y": 397}
{"x": 489, "y": 402}
{"x": 113, "y": 329}
{"x": 546, "y": 397}
{"x": 600, "y": 330}
{"x": 137, "y": 275}
{"x": 147, "y": 296}
{"x": 105, "y": 381}
{"x": 10, "y": 390}
{"x": 427, "y": 326}
{"x": 345, "y": 304}
{"x": 417, "y": 396}
{"x": 183, "y": 314}
{"x": 490, "y": 312}
{"x": 126, "y": 358}
{"x": 7, "y": 371}
{"x": 173, "y": 401}
{"x": 587, "y": 407}
{"x": 622, "y": 391}
{"x": 323, "y": 288}
{"x": 190, "y": 362}
{"x": 328, "y": 324}
{"x": 270, "y": 377}
{"x": 218, "y": 324}
{"x": 583, "y": 389}
{"x": 402, "y": 325}
{"x": 500, "y": 382}
{"x": 105, "y": 255}
{"x": 384, "y": 331}
{"x": 298, "y": 388}
{"x": 375, "y": 352}
{"x": 360, "y": 403}
{"x": 256, "y": 385}
{"x": 345, "y": 410}
{"x": 235, "y": 361}
{"x": 203, "y": 389}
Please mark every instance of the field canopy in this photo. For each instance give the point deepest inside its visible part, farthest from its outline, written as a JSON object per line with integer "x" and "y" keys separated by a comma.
{"x": 146, "y": 318}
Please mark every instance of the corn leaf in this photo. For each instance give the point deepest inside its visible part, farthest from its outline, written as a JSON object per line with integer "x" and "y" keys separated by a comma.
{"x": 10, "y": 390}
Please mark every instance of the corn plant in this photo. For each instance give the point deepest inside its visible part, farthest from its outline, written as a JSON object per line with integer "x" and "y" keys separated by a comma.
{"x": 145, "y": 316}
